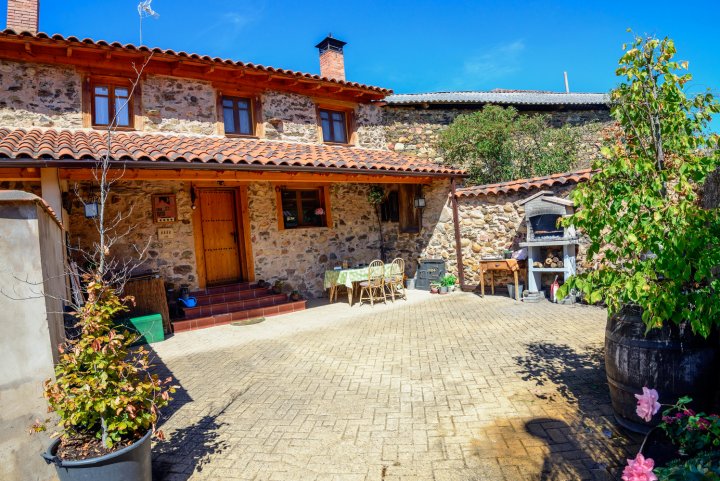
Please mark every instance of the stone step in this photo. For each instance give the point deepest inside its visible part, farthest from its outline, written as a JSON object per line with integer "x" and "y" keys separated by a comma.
{"x": 220, "y": 297}
{"x": 237, "y": 286}
{"x": 227, "y": 318}
{"x": 232, "y": 306}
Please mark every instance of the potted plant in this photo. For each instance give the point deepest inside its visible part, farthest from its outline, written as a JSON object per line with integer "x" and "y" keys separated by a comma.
{"x": 434, "y": 287}
{"x": 447, "y": 282}
{"x": 655, "y": 244}
{"x": 295, "y": 295}
{"x": 507, "y": 254}
{"x": 278, "y": 286}
{"x": 262, "y": 284}
{"x": 106, "y": 400}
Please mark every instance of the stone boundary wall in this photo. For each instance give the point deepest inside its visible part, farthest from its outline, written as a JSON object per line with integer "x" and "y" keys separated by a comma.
{"x": 417, "y": 131}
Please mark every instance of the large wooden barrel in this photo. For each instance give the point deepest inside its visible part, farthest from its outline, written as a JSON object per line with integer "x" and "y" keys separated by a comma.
{"x": 676, "y": 363}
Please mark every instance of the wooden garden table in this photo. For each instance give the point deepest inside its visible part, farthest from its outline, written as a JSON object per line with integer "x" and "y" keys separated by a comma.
{"x": 508, "y": 265}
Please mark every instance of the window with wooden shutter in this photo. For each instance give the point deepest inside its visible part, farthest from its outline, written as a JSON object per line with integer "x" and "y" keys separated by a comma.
{"x": 409, "y": 216}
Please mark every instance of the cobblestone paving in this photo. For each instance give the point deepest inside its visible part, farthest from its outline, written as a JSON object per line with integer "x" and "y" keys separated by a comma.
{"x": 452, "y": 387}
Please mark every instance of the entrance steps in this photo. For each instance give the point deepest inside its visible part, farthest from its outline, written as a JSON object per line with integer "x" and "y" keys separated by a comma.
{"x": 234, "y": 302}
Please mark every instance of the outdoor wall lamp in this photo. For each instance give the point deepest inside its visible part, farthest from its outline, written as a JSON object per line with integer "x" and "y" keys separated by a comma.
{"x": 419, "y": 202}
{"x": 91, "y": 210}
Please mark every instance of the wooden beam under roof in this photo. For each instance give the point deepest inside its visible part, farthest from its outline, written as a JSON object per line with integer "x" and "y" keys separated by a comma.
{"x": 198, "y": 175}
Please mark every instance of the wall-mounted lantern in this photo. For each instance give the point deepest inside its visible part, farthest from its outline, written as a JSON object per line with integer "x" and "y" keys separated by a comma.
{"x": 419, "y": 202}
{"x": 91, "y": 210}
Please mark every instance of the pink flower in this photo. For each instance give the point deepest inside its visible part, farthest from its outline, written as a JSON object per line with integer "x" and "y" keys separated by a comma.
{"x": 639, "y": 469}
{"x": 648, "y": 404}
{"x": 319, "y": 211}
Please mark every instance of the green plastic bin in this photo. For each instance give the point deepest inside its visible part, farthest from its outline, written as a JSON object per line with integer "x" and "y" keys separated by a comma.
{"x": 149, "y": 327}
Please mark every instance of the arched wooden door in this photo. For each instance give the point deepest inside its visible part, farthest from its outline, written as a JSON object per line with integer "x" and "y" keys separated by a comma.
{"x": 221, "y": 233}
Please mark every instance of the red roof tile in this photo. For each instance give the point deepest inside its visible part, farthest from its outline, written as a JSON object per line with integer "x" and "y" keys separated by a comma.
{"x": 102, "y": 44}
{"x": 73, "y": 146}
{"x": 526, "y": 184}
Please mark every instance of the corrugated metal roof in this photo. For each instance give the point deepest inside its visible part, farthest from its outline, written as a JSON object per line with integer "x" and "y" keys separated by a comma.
{"x": 500, "y": 96}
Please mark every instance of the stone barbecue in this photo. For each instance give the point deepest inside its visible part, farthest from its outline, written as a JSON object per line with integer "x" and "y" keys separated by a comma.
{"x": 551, "y": 247}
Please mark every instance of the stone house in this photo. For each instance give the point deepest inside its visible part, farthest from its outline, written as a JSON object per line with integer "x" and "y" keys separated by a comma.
{"x": 226, "y": 172}
{"x": 229, "y": 172}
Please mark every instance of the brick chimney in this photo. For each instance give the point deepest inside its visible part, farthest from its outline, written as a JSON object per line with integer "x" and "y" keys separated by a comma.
{"x": 23, "y": 15}
{"x": 332, "y": 61}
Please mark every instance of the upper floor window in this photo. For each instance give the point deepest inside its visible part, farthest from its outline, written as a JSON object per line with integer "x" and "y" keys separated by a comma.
{"x": 237, "y": 115}
{"x": 334, "y": 126}
{"x": 111, "y": 105}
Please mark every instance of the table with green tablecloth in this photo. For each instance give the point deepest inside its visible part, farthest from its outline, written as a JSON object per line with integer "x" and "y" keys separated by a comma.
{"x": 347, "y": 278}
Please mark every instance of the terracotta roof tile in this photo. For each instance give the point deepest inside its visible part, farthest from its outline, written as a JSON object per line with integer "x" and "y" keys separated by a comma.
{"x": 102, "y": 44}
{"x": 526, "y": 184}
{"x": 212, "y": 151}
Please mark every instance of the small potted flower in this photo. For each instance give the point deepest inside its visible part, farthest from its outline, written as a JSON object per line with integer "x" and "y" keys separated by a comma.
{"x": 447, "y": 282}
{"x": 278, "y": 286}
{"x": 295, "y": 295}
{"x": 434, "y": 287}
{"x": 507, "y": 254}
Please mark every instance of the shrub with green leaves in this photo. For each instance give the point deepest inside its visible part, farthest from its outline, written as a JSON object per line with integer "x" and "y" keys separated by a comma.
{"x": 497, "y": 144}
{"x": 102, "y": 388}
{"x": 653, "y": 243}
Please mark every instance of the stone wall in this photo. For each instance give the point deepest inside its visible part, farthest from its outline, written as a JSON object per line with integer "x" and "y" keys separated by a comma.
{"x": 35, "y": 95}
{"x": 173, "y": 259}
{"x": 290, "y": 117}
{"x": 178, "y": 105}
{"x": 417, "y": 131}
{"x": 489, "y": 224}
{"x": 370, "y": 129}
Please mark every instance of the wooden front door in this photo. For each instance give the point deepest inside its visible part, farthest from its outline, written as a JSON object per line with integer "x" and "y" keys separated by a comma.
{"x": 220, "y": 235}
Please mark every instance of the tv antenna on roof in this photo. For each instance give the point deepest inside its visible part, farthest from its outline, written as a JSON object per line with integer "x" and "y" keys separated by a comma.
{"x": 145, "y": 10}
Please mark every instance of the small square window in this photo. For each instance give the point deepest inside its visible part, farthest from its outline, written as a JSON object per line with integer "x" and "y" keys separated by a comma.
{"x": 334, "y": 126}
{"x": 302, "y": 208}
{"x": 111, "y": 106}
{"x": 237, "y": 116}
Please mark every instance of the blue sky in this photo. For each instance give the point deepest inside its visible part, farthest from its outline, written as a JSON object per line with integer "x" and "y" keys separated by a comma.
{"x": 415, "y": 46}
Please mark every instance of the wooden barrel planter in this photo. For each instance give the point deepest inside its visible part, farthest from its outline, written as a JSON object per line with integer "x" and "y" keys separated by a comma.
{"x": 674, "y": 363}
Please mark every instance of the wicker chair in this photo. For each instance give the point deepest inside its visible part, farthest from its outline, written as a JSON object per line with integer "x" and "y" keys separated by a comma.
{"x": 395, "y": 281}
{"x": 374, "y": 288}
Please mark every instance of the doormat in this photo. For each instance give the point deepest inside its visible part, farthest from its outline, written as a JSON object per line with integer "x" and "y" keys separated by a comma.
{"x": 248, "y": 322}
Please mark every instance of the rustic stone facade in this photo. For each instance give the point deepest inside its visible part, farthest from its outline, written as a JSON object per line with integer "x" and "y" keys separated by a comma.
{"x": 173, "y": 259}
{"x": 301, "y": 256}
{"x": 178, "y": 105}
{"x": 417, "y": 131}
{"x": 34, "y": 95}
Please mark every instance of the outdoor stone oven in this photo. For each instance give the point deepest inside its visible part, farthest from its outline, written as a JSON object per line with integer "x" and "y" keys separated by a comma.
{"x": 551, "y": 247}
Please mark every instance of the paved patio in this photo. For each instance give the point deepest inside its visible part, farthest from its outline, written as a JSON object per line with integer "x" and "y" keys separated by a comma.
{"x": 452, "y": 387}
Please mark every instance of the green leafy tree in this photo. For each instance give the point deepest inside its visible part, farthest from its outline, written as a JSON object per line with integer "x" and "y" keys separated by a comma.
{"x": 654, "y": 244}
{"x": 497, "y": 144}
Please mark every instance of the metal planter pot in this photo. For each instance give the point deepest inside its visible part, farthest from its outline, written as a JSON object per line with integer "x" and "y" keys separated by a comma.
{"x": 132, "y": 463}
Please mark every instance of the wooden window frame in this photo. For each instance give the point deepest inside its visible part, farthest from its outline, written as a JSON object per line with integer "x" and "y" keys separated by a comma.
{"x": 256, "y": 117}
{"x": 387, "y": 212}
{"x": 236, "y": 115}
{"x": 324, "y": 194}
{"x": 410, "y": 218}
{"x": 88, "y": 102}
{"x": 346, "y": 108}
